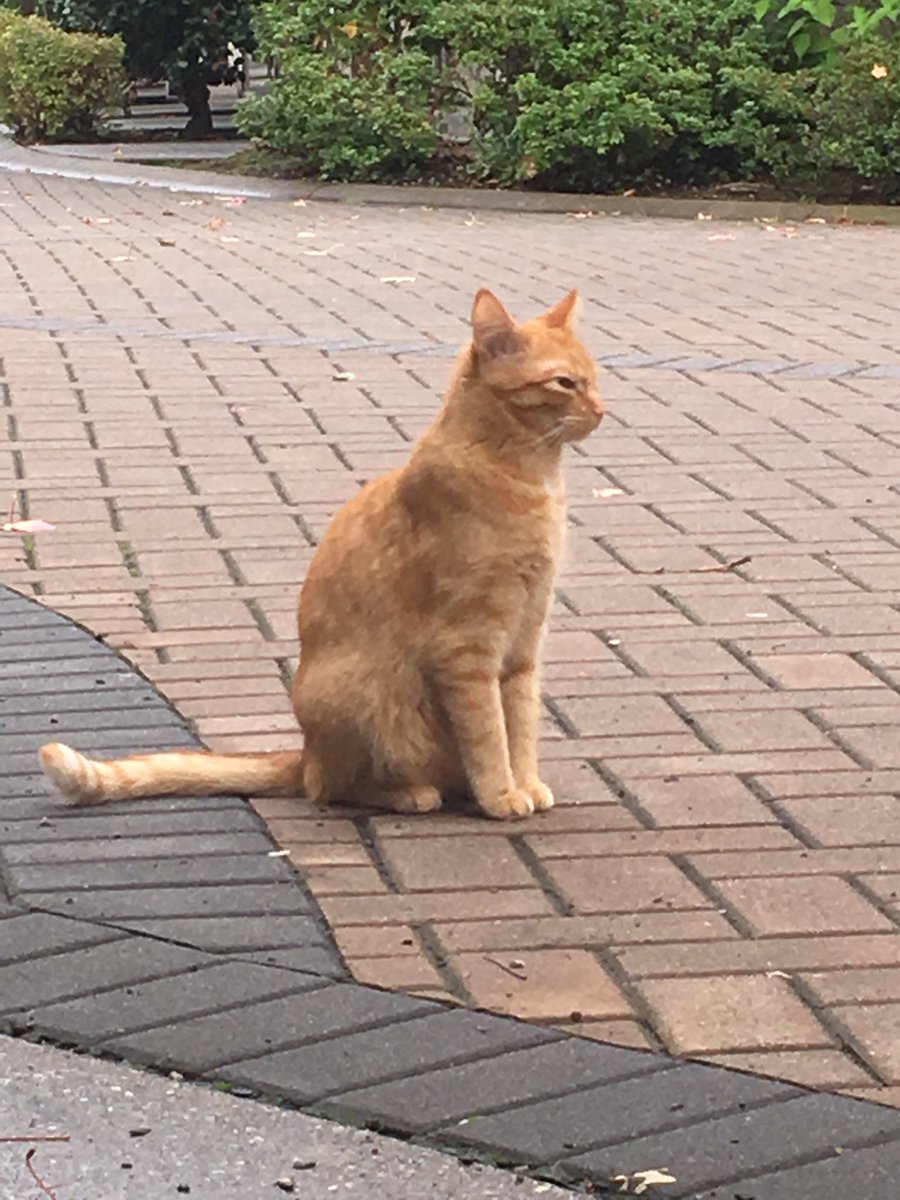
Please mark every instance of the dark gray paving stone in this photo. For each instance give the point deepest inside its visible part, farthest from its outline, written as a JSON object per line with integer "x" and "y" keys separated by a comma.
{"x": 43, "y": 804}
{"x": 100, "y": 746}
{"x": 68, "y": 704}
{"x": 362, "y": 1059}
{"x": 805, "y": 1127}
{"x": 457, "y": 1093}
{"x": 113, "y": 679}
{"x": 27, "y": 935}
{"x": 27, "y": 631}
{"x": 42, "y": 981}
{"x": 43, "y": 650}
{"x": 319, "y": 959}
{"x": 101, "y": 848}
{"x": 117, "y": 904}
{"x": 223, "y": 935}
{"x": 50, "y": 806}
{"x": 206, "y": 1042}
{"x": 166, "y": 1001}
{"x": 861, "y": 1175}
{"x": 114, "y": 824}
{"x": 161, "y": 872}
{"x": 673, "y": 1096}
{"x": 32, "y": 730}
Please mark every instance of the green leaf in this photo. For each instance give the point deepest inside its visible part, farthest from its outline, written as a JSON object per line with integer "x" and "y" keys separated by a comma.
{"x": 801, "y": 43}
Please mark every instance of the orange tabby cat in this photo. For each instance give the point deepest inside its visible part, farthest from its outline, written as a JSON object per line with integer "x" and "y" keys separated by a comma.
{"x": 423, "y": 611}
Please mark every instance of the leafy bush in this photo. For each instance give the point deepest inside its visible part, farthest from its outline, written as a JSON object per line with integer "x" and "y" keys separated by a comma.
{"x": 356, "y": 93}
{"x": 55, "y": 84}
{"x": 819, "y": 30}
{"x": 584, "y": 95}
{"x": 857, "y": 115}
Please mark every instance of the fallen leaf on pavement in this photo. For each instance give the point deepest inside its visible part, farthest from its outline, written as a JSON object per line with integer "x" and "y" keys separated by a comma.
{"x": 398, "y": 279}
{"x": 343, "y": 376}
{"x": 638, "y": 1182}
{"x": 722, "y": 237}
{"x": 27, "y": 527}
{"x": 122, "y": 258}
{"x": 605, "y": 493}
{"x": 704, "y": 216}
{"x": 216, "y": 223}
{"x": 165, "y": 241}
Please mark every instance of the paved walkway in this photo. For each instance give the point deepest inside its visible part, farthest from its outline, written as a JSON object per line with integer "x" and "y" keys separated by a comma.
{"x": 192, "y": 387}
{"x": 168, "y": 933}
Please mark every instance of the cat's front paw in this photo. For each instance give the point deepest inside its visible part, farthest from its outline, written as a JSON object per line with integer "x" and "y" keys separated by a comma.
{"x": 541, "y": 796}
{"x": 508, "y": 805}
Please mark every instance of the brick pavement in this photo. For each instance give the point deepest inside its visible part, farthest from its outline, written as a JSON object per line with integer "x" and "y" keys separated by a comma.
{"x": 122, "y": 933}
{"x": 720, "y": 878}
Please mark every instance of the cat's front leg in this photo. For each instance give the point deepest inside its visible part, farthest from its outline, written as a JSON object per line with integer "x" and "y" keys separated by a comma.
{"x": 520, "y": 692}
{"x": 471, "y": 698}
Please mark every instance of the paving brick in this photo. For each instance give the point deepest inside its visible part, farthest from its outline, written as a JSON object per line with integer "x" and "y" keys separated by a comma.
{"x": 406, "y": 973}
{"x": 745, "y": 1143}
{"x": 121, "y": 904}
{"x": 202, "y": 987}
{"x": 572, "y": 932}
{"x": 708, "y": 800}
{"x": 312, "y": 1011}
{"x": 877, "y": 746}
{"x": 122, "y": 873}
{"x": 92, "y": 849}
{"x": 596, "y": 885}
{"x": 424, "y": 906}
{"x": 458, "y": 1094}
{"x": 30, "y": 984}
{"x": 736, "y": 1012}
{"x": 812, "y": 861}
{"x": 820, "y": 904}
{"x": 27, "y": 935}
{"x": 875, "y": 1032}
{"x": 453, "y": 863}
{"x": 762, "y": 731}
{"x": 801, "y": 953}
{"x": 848, "y": 986}
{"x": 801, "y": 671}
{"x": 656, "y": 1099}
{"x": 545, "y": 985}
{"x": 617, "y": 1032}
{"x": 847, "y": 821}
{"x": 434, "y": 1039}
{"x": 826, "y": 1069}
{"x": 868, "y": 1171}
{"x": 227, "y": 934}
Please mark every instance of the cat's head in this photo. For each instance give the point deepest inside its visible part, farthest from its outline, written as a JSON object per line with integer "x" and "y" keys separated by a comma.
{"x": 539, "y": 371}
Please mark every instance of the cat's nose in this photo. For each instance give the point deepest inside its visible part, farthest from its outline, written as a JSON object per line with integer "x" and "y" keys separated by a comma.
{"x": 597, "y": 406}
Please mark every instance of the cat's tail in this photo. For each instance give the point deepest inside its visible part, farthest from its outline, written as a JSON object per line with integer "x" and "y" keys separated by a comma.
{"x": 85, "y": 781}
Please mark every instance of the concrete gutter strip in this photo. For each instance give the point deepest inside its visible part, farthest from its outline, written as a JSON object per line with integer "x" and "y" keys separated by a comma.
{"x": 59, "y": 162}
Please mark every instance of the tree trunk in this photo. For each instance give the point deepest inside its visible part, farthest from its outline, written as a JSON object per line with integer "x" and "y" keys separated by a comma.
{"x": 195, "y": 94}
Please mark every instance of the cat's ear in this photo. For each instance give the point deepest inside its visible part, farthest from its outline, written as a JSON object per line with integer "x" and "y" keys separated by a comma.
{"x": 494, "y": 332}
{"x": 564, "y": 314}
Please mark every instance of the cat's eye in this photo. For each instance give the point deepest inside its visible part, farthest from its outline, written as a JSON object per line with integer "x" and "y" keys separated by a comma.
{"x": 565, "y": 382}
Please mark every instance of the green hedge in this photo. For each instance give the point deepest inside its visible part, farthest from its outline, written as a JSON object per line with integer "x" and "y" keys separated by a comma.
{"x": 55, "y": 84}
{"x": 581, "y": 95}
